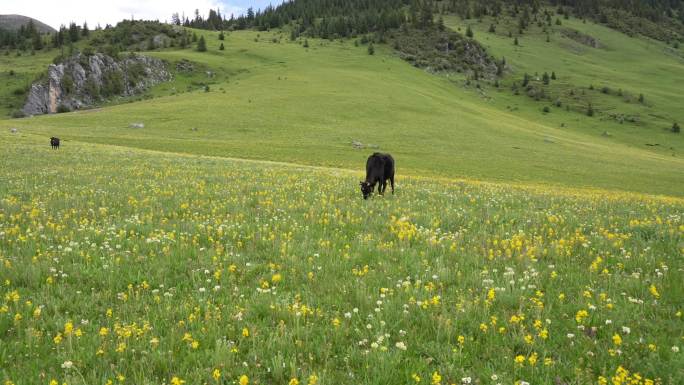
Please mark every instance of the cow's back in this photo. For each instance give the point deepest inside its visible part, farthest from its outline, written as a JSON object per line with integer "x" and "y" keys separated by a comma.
{"x": 381, "y": 165}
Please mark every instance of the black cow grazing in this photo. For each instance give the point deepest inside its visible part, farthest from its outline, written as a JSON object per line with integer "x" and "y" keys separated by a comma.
{"x": 54, "y": 142}
{"x": 379, "y": 168}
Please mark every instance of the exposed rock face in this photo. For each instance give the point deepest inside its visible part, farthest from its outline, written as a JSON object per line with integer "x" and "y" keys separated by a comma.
{"x": 443, "y": 51}
{"x": 581, "y": 38}
{"x": 83, "y": 81}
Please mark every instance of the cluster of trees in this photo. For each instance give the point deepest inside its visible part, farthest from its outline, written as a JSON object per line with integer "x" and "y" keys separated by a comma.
{"x": 344, "y": 18}
{"x": 659, "y": 19}
{"x": 215, "y": 21}
{"x": 26, "y": 37}
{"x": 70, "y": 35}
{"x": 320, "y": 18}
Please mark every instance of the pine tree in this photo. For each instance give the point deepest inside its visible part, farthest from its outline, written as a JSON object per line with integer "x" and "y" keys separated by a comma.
{"x": 553, "y": 75}
{"x": 545, "y": 79}
{"x": 515, "y": 41}
{"x": 641, "y": 98}
{"x": 37, "y": 42}
{"x": 492, "y": 28}
{"x": 469, "y": 32}
{"x": 590, "y": 110}
{"x": 526, "y": 80}
{"x": 371, "y": 49}
{"x": 675, "y": 128}
{"x": 85, "y": 31}
{"x": 221, "y": 47}
{"x": 73, "y": 32}
{"x": 201, "y": 44}
{"x": 221, "y": 36}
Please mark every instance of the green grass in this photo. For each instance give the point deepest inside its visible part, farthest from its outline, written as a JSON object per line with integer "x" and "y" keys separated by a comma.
{"x": 634, "y": 65}
{"x": 280, "y": 101}
{"x": 138, "y": 267}
{"x": 17, "y": 73}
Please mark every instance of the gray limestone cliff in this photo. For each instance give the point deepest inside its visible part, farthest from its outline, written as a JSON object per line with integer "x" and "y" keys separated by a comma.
{"x": 82, "y": 81}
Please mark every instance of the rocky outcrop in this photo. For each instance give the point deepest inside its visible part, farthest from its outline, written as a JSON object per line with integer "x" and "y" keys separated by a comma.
{"x": 581, "y": 38}
{"x": 443, "y": 51}
{"x": 85, "y": 80}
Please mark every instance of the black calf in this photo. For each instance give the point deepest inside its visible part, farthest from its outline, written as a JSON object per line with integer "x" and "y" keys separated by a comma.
{"x": 379, "y": 169}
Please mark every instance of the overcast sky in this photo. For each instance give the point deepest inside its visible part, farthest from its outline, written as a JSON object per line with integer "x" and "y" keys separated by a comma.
{"x": 57, "y": 12}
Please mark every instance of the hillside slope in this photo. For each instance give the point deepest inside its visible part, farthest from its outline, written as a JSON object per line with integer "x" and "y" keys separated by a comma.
{"x": 593, "y": 65}
{"x": 306, "y": 105}
{"x": 14, "y": 22}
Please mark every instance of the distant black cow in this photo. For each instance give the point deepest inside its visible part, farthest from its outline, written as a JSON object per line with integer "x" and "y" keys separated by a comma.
{"x": 379, "y": 168}
{"x": 54, "y": 142}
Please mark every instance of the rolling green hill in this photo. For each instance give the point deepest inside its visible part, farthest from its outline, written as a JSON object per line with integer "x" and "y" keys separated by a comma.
{"x": 284, "y": 102}
{"x": 14, "y": 22}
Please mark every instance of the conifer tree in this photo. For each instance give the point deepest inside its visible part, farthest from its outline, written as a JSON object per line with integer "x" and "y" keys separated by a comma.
{"x": 201, "y": 44}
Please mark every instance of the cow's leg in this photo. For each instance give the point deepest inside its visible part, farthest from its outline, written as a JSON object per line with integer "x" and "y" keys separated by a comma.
{"x": 392, "y": 182}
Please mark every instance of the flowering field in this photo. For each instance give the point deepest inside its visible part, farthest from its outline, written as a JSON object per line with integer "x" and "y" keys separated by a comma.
{"x": 124, "y": 266}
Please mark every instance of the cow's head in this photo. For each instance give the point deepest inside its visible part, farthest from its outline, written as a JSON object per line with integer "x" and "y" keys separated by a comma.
{"x": 366, "y": 189}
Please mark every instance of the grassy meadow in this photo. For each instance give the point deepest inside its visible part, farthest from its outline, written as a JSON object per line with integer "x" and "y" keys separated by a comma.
{"x": 272, "y": 99}
{"x": 127, "y": 266}
{"x": 226, "y": 242}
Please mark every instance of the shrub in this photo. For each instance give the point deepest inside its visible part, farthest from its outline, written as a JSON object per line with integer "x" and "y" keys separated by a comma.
{"x": 92, "y": 88}
{"x": 135, "y": 72}
{"x": 62, "y": 108}
{"x": 11, "y": 73}
{"x": 641, "y": 98}
{"x": 371, "y": 49}
{"x": 590, "y": 110}
{"x": 68, "y": 84}
{"x": 675, "y": 128}
{"x": 221, "y": 47}
{"x": 546, "y": 109}
{"x": 18, "y": 114}
{"x": 112, "y": 83}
